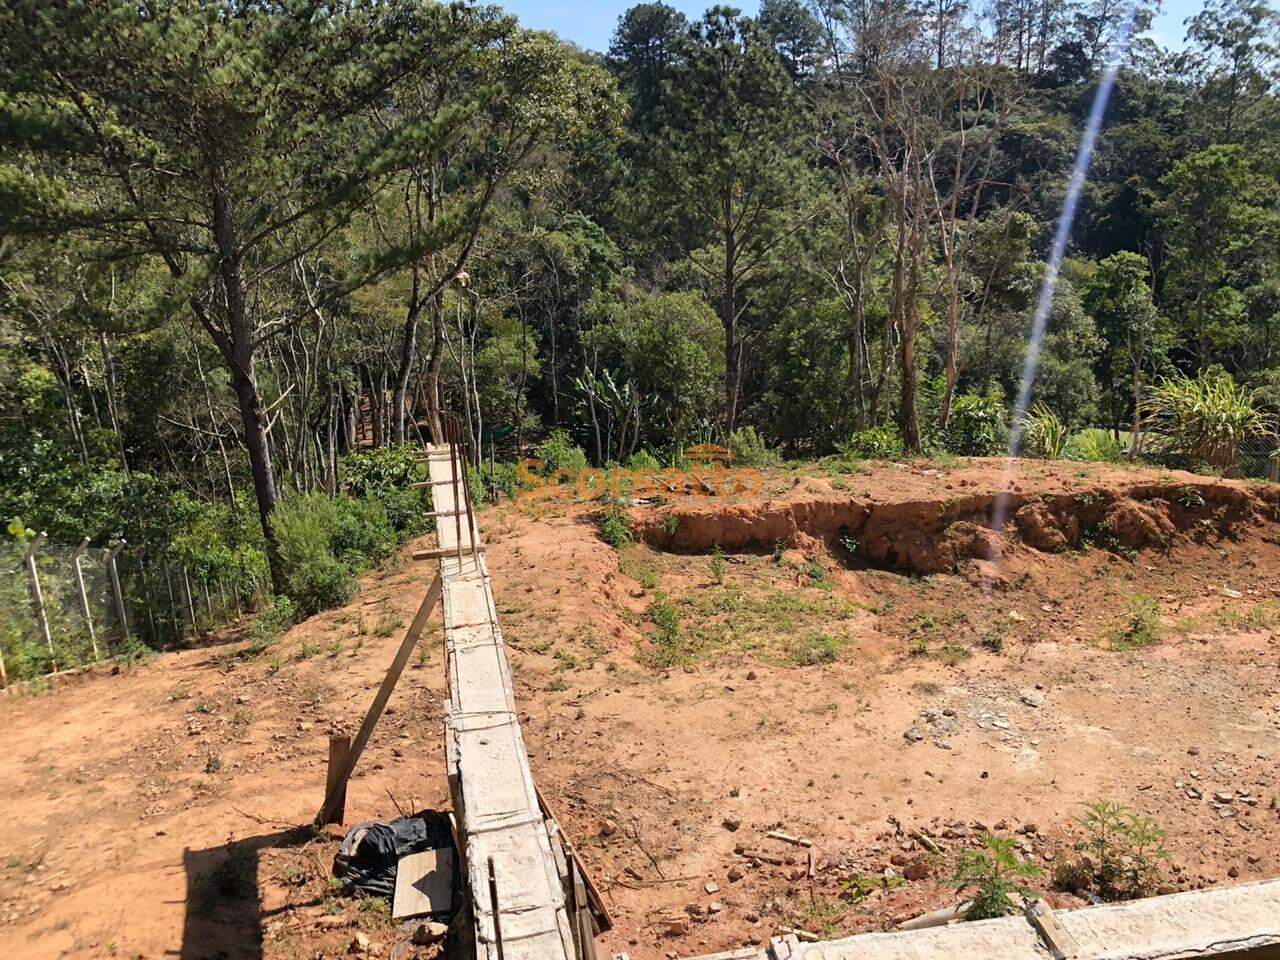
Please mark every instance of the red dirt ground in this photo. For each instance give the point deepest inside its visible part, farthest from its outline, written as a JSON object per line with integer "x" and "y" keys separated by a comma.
{"x": 151, "y": 813}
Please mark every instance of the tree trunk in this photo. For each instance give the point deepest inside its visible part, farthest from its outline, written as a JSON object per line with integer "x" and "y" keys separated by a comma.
{"x": 729, "y": 317}
{"x": 239, "y": 350}
{"x": 408, "y": 356}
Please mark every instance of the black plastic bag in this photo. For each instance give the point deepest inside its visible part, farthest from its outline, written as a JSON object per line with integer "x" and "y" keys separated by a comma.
{"x": 370, "y": 852}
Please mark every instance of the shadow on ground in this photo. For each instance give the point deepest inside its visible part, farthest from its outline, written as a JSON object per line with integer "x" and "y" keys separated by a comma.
{"x": 225, "y": 918}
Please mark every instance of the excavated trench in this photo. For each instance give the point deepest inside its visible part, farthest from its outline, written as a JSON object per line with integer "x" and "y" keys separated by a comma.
{"x": 929, "y": 536}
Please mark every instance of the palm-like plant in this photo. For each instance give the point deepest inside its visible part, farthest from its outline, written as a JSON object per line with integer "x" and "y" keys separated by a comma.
{"x": 1206, "y": 419}
{"x": 1044, "y": 434}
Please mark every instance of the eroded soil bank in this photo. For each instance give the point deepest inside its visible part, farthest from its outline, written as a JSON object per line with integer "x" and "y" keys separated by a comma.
{"x": 918, "y": 519}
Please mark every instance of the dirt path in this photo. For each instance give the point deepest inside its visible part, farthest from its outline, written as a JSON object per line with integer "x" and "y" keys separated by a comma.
{"x": 150, "y": 812}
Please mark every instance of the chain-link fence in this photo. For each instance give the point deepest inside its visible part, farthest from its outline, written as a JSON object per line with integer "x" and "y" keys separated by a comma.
{"x": 64, "y": 606}
{"x": 1260, "y": 459}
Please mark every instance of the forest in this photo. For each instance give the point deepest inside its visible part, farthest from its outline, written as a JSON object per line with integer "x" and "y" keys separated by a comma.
{"x": 255, "y": 252}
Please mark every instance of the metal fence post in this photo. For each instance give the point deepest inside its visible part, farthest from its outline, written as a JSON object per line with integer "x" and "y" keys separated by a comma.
{"x": 84, "y": 596}
{"x": 115, "y": 586}
{"x": 37, "y": 596}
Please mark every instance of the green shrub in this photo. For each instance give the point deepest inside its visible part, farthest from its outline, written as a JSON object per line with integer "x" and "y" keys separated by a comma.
{"x": 1094, "y": 445}
{"x": 386, "y": 474}
{"x": 314, "y": 577}
{"x": 558, "y": 452}
{"x": 1205, "y": 420}
{"x": 644, "y": 460}
{"x": 976, "y": 427}
{"x": 750, "y": 450}
{"x": 991, "y": 877}
{"x": 669, "y": 647}
{"x": 1119, "y": 856}
{"x": 615, "y": 525}
{"x": 876, "y": 443}
{"x": 274, "y": 621}
{"x": 1043, "y": 434}
{"x": 493, "y": 481}
{"x": 362, "y": 532}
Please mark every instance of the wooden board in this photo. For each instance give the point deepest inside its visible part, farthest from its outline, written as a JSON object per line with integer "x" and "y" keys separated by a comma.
{"x": 424, "y": 884}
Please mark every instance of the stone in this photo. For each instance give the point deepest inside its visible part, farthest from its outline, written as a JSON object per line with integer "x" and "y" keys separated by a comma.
{"x": 359, "y": 944}
{"x": 917, "y": 869}
{"x": 731, "y": 824}
{"x": 913, "y": 734}
{"x": 676, "y": 926}
{"x": 735, "y": 874}
{"x": 429, "y": 932}
{"x": 711, "y": 887}
{"x": 715, "y": 906}
{"x": 1032, "y": 698}
{"x": 608, "y": 827}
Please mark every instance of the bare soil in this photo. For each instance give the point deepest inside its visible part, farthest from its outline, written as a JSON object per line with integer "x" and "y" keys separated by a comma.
{"x": 852, "y": 658}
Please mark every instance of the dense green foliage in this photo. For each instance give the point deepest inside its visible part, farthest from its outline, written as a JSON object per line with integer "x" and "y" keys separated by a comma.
{"x": 249, "y": 249}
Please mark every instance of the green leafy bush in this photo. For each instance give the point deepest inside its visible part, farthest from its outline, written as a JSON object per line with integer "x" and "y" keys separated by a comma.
{"x": 991, "y": 877}
{"x": 386, "y": 474}
{"x": 1119, "y": 856}
{"x": 976, "y": 427}
{"x": 876, "y": 443}
{"x": 314, "y": 578}
{"x": 493, "y": 481}
{"x": 1043, "y": 434}
{"x": 1094, "y": 445}
{"x": 750, "y": 450}
{"x": 362, "y": 532}
{"x": 1204, "y": 421}
{"x": 644, "y": 460}
{"x": 558, "y": 452}
{"x": 615, "y": 525}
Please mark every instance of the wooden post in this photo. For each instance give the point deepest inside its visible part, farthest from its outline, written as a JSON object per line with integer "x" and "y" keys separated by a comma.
{"x": 339, "y": 748}
{"x": 37, "y": 595}
{"x": 191, "y": 604}
{"x": 115, "y": 586}
{"x": 84, "y": 596}
{"x": 338, "y": 779}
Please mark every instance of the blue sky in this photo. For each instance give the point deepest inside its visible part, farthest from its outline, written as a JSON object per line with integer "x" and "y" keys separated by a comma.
{"x": 591, "y": 24}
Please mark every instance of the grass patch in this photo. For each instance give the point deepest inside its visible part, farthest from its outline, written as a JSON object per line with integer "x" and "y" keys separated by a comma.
{"x": 1139, "y": 626}
{"x": 816, "y": 650}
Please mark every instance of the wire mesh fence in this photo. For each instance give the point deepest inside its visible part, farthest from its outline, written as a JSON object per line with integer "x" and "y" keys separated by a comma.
{"x": 64, "y": 606}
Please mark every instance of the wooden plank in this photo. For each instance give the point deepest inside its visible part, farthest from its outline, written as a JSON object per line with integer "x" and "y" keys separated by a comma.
{"x": 1061, "y": 944}
{"x": 424, "y": 884}
{"x": 339, "y": 747}
{"x": 419, "y": 624}
{"x": 439, "y": 553}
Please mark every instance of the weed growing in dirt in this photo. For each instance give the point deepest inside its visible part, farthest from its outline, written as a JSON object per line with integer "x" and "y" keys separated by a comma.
{"x": 213, "y": 763}
{"x": 669, "y": 647}
{"x": 308, "y": 650}
{"x": 717, "y": 563}
{"x": 335, "y": 649}
{"x": 991, "y": 877}
{"x": 1119, "y": 856}
{"x": 1139, "y": 626}
{"x": 275, "y": 664}
{"x": 818, "y": 575}
{"x": 387, "y": 625}
{"x": 993, "y": 636}
{"x": 558, "y": 685}
{"x": 179, "y": 694}
{"x": 815, "y": 650}
{"x": 1258, "y": 617}
{"x": 615, "y": 525}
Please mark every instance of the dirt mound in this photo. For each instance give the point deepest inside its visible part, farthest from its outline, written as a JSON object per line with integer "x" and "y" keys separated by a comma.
{"x": 933, "y": 535}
